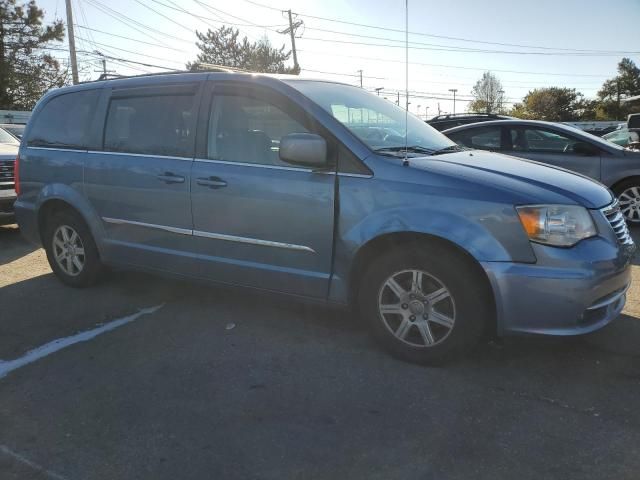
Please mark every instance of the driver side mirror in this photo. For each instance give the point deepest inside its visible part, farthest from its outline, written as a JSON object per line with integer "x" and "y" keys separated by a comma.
{"x": 304, "y": 149}
{"x": 584, "y": 148}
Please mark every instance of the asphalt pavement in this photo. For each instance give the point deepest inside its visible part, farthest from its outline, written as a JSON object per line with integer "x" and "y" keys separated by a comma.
{"x": 147, "y": 378}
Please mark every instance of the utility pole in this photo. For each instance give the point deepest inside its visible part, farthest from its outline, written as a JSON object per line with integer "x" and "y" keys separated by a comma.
{"x": 618, "y": 100}
{"x": 438, "y": 108}
{"x": 293, "y": 26}
{"x": 500, "y": 95}
{"x": 360, "y": 72}
{"x": 104, "y": 72}
{"x": 398, "y": 101}
{"x": 378, "y": 90}
{"x": 426, "y": 113}
{"x": 72, "y": 44}
{"x": 454, "y": 90}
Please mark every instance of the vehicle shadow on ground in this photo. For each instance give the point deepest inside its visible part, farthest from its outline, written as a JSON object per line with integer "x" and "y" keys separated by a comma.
{"x": 13, "y": 245}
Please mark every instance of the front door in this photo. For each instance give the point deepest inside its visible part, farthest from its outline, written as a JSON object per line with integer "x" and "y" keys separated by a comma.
{"x": 139, "y": 182}
{"x": 553, "y": 147}
{"x": 258, "y": 221}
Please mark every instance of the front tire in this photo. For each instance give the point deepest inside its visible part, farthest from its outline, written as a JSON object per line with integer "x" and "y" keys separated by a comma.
{"x": 71, "y": 250}
{"x": 425, "y": 303}
{"x": 628, "y": 195}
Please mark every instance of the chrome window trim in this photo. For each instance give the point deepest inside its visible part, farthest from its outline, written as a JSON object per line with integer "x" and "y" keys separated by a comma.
{"x": 215, "y": 236}
{"x": 144, "y": 155}
{"x": 58, "y": 149}
{"x": 253, "y": 241}
{"x": 166, "y": 228}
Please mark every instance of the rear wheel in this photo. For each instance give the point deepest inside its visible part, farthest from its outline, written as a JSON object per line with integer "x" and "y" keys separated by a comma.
{"x": 425, "y": 303}
{"x": 71, "y": 250}
{"x": 628, "y": 194}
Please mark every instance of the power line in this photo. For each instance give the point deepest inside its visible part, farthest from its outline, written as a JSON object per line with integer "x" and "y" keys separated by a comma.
{"x": 132, "y": 52}
{"x": 164, "y": 16}
{"x": 343, "y": 74}
{"x": 129, "y": 38}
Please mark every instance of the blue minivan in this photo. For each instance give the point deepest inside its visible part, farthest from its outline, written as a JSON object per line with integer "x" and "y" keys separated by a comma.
{"x": 318, "y": 190}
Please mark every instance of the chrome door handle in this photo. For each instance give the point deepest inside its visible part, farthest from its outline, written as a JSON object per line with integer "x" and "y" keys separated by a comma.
{"x": 168, "y": 177}
{"x": 211, "y": 182}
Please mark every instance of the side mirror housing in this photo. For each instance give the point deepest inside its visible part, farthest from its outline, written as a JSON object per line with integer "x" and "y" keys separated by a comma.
{"x": 304, "y": 149}
{"x": 584, "y": 148}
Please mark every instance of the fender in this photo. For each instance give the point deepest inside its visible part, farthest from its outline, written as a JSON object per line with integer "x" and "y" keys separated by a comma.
{"x": 68, "y": 194}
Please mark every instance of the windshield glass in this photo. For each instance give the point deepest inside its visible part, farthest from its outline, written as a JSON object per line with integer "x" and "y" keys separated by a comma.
{"x": 379, "y": 123}
{"x": 6, "y": 137}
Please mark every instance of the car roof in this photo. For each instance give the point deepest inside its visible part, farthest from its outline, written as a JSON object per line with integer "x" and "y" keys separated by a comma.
{"x": 514, "y": 122}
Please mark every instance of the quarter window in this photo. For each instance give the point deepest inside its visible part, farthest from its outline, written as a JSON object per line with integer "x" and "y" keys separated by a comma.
{"x": 64, "y": 121}
{"x": 246, "y": 129}
{"x": 152, "y": 125}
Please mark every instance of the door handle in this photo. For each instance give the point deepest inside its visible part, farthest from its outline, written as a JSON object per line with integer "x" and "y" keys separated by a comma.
{"x": 211, "y": 182}
{"x": 168, "y": 177}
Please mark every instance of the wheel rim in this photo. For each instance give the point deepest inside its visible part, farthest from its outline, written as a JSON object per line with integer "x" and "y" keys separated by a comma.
{"x": 630, "y": 204}
{"x": 417, "y": 308}
{"x": 68, "y": 250}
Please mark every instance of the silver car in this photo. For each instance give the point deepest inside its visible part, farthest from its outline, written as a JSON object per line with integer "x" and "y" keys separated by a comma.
{"x": 564, "y": 146}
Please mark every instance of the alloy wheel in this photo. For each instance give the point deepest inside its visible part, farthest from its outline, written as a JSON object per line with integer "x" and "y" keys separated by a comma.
{"x": 68, "y": 250}
{"x": 417, "y": 308}
{"x": 629, "y": 201}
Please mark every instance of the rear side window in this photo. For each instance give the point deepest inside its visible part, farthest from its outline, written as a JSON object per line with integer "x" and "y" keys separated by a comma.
{"x": 64, "y": 121}
{"x": 151, "y": 124}
{"x": 483, "y": 138}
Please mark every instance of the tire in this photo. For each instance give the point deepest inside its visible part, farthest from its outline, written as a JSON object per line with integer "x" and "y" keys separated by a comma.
{"x": 84, "y": 250}
{"x": 454, "y": 322}
{"x": 628, "y": 194}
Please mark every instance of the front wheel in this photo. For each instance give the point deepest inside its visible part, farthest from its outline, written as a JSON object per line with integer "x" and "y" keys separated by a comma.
{"x": 71, "y": 250}
{"x": 425, "y": 303}
{"x": 628, "y": 194}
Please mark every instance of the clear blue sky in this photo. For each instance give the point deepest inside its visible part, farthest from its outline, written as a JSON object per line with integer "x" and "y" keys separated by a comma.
{"x": 553, "y": 24}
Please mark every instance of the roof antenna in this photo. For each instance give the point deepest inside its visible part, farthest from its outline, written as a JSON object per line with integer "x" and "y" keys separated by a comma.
{"x": 405, "y": 162}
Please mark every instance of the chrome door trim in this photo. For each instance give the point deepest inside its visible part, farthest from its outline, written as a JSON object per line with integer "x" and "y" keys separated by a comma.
{"x": 166, "y": 228}
{"x": 253, "y": 241}
{"x": 256, "y": 165}
{"x": 144, "y": 155}
{"x": 58, "y": 149}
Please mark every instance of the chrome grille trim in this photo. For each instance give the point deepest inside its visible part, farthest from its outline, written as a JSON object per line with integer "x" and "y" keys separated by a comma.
{"x": 6, "y": 174}
{"x": 618, "y": 223}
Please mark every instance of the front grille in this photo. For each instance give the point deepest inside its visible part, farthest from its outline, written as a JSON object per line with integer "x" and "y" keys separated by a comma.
{"x": 618, "y": 223}
{"x": 6, "y": 174}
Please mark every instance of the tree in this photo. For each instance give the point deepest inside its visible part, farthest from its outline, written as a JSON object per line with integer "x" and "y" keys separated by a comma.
{"x": 626, "y": 83}
{"x": 553, "y": 104}
{"x": 488, "y": 94}
{"x": 223, "y": 47}
{"x": 25, "y": 73}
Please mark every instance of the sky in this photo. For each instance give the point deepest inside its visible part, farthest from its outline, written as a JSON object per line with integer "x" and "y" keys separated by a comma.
{"x": 527, "y": 45}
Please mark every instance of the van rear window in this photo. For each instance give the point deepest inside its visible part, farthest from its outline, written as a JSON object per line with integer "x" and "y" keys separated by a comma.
{"x": 151, "y": 124}
{"x": 64, "y": 121}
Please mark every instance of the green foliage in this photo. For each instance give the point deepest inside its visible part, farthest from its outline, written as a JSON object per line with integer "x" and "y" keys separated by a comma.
{"x": 553, "y": 104}
{"x": 625, "y": 84}
{"x": 488, "y": 95}
{"x": 224, "y": 47}
{"x": 26, "y": 73}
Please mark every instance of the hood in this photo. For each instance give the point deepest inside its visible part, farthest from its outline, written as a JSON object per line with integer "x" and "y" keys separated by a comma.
{"x": 8, "y": 150}
{"x": 528, "y": 181}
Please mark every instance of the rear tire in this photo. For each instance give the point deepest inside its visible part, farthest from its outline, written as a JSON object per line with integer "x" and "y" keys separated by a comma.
{"x": 71, "y": 250}
{"x": 425, "y": 303}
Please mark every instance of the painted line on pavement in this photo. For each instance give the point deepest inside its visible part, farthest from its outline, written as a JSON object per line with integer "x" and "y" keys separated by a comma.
{"x": 60, "y": 343}
{"x": 24, "y": 460}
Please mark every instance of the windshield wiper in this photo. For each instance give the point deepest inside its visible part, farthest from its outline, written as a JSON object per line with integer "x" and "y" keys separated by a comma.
{"x": 449, "y": 149}
{"x": 402, "y": 149}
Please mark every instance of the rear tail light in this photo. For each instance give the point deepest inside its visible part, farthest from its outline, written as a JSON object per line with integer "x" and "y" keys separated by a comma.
{"x": 16, "y": 175}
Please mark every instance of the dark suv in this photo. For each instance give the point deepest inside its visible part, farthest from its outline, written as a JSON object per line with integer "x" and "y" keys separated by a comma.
{"x": 443, "y": 122}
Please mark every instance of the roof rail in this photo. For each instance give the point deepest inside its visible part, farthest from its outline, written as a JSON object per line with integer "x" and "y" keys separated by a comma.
{"x": 213, "y": 67}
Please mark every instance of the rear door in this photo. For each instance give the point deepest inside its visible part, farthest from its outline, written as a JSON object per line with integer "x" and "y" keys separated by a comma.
{"x": 139, "y": 182}
{"x": 258, "y": 221}
{"x": 553, "y": 147}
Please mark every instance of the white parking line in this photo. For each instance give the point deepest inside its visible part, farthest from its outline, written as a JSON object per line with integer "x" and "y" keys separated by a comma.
{"x": 60, "y": 343}
{"x": 26, "y": 461}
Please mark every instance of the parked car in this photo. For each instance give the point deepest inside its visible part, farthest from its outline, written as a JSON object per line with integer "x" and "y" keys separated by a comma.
{"x": 262, "y": 182}
{"x": 8, "y": 152}
{"x": 562, "y": 146}
{"x": 620, "y": 136}
{"x": 443, "y": 122}
{"x": 15, "y": 129}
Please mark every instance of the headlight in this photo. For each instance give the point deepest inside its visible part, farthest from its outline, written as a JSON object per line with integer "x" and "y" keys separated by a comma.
{"x": 558, "y": 225}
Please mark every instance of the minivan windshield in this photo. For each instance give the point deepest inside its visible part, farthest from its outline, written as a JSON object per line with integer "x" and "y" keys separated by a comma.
{"x": 6, "y": 137}
{"x": 379, "y": 123}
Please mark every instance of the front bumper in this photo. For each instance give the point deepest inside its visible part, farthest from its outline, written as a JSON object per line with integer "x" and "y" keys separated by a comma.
{"x": 7, "y": 199}
{"x": 567, "y": 292}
